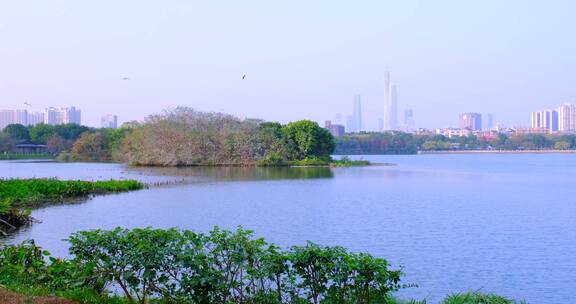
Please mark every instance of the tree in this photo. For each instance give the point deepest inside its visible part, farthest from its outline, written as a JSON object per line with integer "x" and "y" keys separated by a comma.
{"x": 306, "y": 138}
{"x": 562, "y": 145}
{"x": 6, "y": 143}
{"x": 91, "y": 147}
{"x": 56, "y": 144}
{"x": 17, "y": 132}
{"x": 41, "y": 132}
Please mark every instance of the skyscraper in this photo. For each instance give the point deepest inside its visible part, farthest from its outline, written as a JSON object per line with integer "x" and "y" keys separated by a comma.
{"x": 394, "y": 109}
{"x": 408, "y": 120}
{"x": 471, "y": 121}
{"x": 357, "y": 113}
{"x": 109, "y": 121}
{"x": 387, "y": 101}
{"x": 488, "y": 123}
{"x": 390, "y": 104}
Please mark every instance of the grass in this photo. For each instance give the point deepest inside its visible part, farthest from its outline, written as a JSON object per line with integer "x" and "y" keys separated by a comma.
{"x": 15, "y": 156}
{"x": 477, "y": 297}
{"x": 16, "y": 194}
{"x": 349, "y": 163}
{"x": 35, "y": 191}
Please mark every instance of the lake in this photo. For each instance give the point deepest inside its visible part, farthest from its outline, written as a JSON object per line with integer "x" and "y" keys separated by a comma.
{"x": 503, "y": 223}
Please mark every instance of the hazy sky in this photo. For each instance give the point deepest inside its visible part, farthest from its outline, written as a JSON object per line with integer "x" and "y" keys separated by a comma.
{"x": 303, "y": 59}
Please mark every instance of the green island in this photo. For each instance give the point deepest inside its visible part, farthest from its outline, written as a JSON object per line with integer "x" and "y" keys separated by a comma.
{"x": 17, "y": 194}
{"x": 180, "y": 266}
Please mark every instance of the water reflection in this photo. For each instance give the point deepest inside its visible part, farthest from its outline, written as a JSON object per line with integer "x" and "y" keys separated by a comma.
{"x": 237, "y": 173}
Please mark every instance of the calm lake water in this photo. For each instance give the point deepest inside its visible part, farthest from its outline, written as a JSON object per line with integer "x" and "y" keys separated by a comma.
{"x": 503, "y": 223}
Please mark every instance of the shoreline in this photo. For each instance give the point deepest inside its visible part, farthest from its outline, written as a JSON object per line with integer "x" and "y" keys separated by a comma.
{"x": 499, "y": 152}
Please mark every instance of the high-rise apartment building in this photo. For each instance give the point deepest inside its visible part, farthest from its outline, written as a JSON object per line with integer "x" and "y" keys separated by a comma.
{"x": 54, "y": 116}
{"x": 390, "y": 104}
{"x": 71, "y": 116}
{"x": 6, "y": 118}
{"x": 550, "y": 120}
{"x": 566, "y": 118}
{"x": 536, "y": 120}
{"x": 21, "y": 117}
{"x": 35, "y": 118}
{"x": 109, "y": 121}
{"x": 471, "y": 121}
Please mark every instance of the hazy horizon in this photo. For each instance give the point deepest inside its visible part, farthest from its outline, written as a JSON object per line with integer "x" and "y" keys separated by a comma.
{"x": 302, "y": 60}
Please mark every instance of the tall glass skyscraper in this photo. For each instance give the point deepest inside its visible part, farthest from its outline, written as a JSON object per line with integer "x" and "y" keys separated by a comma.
{"x": 390, "y": 104}
{"x": 354, "y": 122}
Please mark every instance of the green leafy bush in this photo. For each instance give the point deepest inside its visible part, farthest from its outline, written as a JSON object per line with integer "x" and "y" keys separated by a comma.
{"x": 229, "y": 267}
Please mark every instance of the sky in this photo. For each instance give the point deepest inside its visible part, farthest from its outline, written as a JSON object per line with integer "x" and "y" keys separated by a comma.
{"x": 302, "y": 59}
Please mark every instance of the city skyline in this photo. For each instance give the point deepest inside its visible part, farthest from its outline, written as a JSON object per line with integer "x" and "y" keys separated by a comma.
{"x": 178, "y": 56}
{"x": 49, "y": 116}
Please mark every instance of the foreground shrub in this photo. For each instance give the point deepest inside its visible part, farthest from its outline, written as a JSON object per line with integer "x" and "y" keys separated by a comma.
{"x": 229, "y": 267}
{"x": 221, "y": 266}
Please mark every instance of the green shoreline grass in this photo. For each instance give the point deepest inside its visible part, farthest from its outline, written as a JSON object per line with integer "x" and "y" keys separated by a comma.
{"x": 32, "y": 192}
{"x": 18, "y": 194}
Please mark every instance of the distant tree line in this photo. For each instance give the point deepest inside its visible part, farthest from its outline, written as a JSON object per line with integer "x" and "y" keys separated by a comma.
{"x": 404, "y": 143}
{"x": 185, "y": 137}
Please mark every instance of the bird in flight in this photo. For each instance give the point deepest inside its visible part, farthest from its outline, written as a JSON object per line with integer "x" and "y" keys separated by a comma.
{"x": 125, "y": 78}
{"x": 244, "y": 77}
{"x": 27, "y": 104}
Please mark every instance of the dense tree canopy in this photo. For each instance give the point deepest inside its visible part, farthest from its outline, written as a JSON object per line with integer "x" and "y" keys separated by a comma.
{"x": 17, "y": 132}
{"x": 41, "y": 132}
{"x": 305, "y": 139}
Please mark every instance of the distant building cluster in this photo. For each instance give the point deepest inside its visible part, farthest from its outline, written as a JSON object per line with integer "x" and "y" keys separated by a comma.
{"x": 470, "y": 121}
{"x": 50, "y": 116}
{"x": 335, "y": 129}
{"x": 388, "y": 122}
{"x": 562, "y": 119}
{"x": 109, "y": 121}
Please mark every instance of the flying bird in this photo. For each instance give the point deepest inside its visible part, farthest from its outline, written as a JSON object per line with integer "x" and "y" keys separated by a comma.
{"x": 244, "y": 77}
{"x": 125, "y": 78}
{"x": 27, "y": 104}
